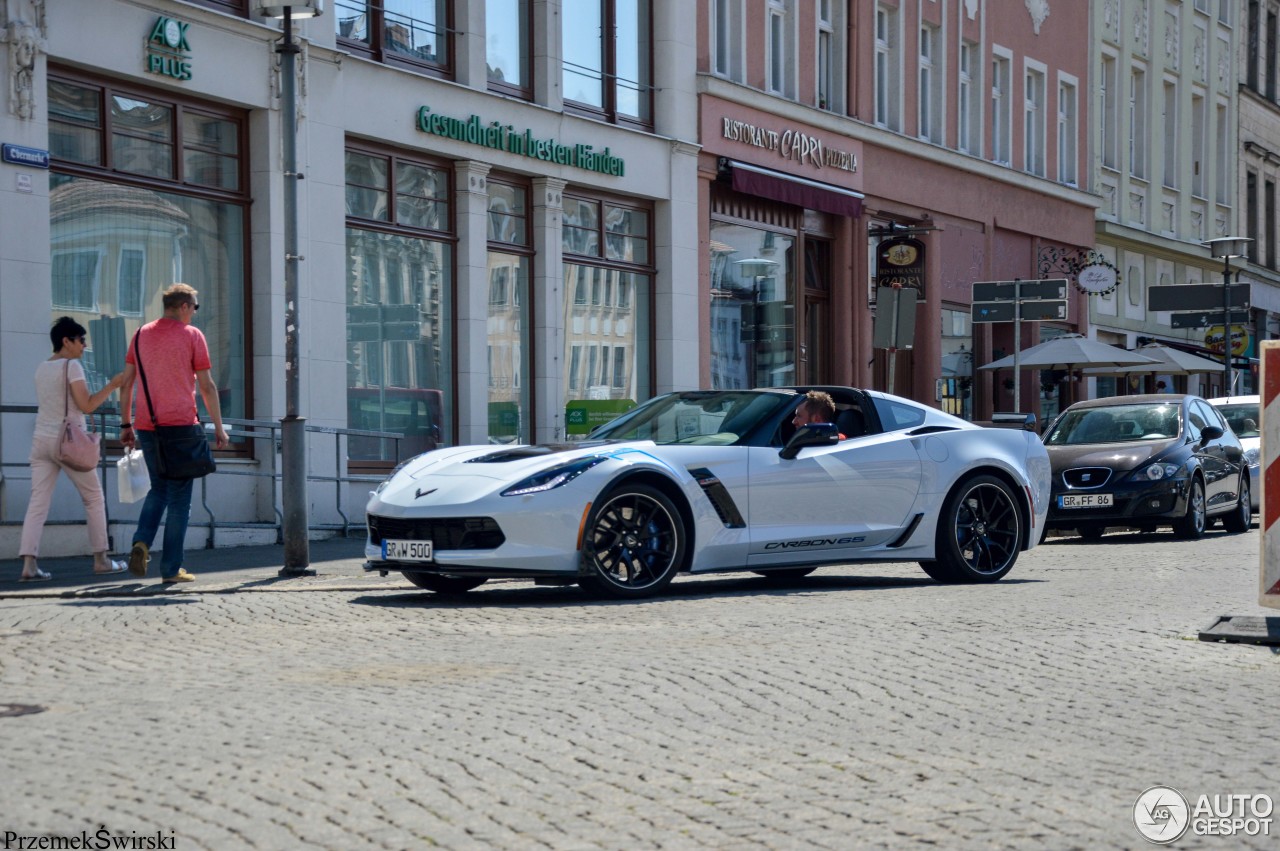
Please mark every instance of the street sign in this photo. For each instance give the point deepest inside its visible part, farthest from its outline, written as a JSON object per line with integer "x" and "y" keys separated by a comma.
{"x": 1039, "y": 311}
{"x": 993, "y": 311}
{"x": 885, "y": 333}
{"x": 1045, "y": 288}
{"x": 1195, "y": 297}
{"x": 995, "y": 291}
{"x": 1205, "y": 319}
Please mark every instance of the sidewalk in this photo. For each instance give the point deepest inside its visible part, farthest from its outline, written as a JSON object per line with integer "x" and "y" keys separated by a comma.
{"x": 338, "y": 563}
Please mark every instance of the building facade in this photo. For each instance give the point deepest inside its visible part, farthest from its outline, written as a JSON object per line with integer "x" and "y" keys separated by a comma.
{"x": 849, "y": 148}
{"x": 1165, "y": 141}
{"x": 497, "y": 219}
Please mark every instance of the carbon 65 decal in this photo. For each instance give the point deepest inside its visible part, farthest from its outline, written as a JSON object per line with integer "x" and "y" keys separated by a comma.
{"x": 842, "y": 541}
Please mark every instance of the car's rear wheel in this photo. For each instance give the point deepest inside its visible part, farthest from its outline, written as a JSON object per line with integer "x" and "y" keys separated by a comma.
{"x": 1192, "y": 524}
{"x": 979, "y": 533}
{"x": 444, "y": 584}
{"x": 1241, "y": 518}
{"x": 634, "y": 543}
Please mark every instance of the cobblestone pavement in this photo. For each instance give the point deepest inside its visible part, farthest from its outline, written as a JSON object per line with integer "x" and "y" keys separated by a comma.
{"x": 859, "y": 707}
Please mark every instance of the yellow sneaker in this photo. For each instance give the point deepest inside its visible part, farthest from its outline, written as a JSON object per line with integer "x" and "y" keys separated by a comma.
{"x": 181, "y": 576}
{"x": 138, "y": 558}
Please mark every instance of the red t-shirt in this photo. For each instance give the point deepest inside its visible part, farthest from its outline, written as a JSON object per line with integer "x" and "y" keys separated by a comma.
{"x": 173, "y": 352}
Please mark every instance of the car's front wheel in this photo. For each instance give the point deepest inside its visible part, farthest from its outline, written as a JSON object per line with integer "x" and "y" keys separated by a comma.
{"x": 1241, "y": 518}
{"x": 634, "y": 543}
{"x": 444, "y": 584}
{"x": 979, "y": 533}
{"x": 1192, "y": 524}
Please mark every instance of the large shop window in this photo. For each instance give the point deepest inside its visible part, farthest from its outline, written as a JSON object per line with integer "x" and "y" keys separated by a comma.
{"x": 145, "y": 192}
{"x": 414, "y": 33}
{"x": 608, "y": 68}
{"x": 607, "y": 329}
{"x": 510, "y": 259}
{"x": 753, "y": 307}
{"x": 507, "y": 47}
{"x": 399, "y": 304}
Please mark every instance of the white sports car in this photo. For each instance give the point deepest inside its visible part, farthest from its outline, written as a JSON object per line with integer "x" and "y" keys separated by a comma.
{"x": 718, "y": 480}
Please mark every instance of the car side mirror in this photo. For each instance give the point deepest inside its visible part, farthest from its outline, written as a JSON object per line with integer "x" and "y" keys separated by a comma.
{"x": 813, "y": 434}
{"x": 1210, "y": 432}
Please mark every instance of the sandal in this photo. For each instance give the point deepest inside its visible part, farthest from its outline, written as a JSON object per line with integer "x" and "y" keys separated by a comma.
{"x": 115, "y": 567}
{"x": 40, "y": 576}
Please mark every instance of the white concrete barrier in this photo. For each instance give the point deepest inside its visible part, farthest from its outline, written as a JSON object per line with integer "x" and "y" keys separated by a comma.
{"x": 1269, "y": 581}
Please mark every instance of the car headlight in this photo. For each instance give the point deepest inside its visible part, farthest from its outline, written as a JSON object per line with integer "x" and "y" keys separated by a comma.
{"x": 1251, "y": 457}
{"x": 397, "y": 468}
{"x": 1156, "y": 472}
{"x": 553, "y": 477}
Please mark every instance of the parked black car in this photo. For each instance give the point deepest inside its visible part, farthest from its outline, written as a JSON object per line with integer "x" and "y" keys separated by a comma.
{"x": 1146, "y": 461}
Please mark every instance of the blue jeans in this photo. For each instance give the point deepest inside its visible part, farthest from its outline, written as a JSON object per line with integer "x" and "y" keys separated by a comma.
{"x": 171, "y": 495}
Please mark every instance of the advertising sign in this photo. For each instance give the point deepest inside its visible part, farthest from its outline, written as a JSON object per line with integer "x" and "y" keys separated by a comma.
{"x": 583, "y": 415}
{"x": 900, "y": 262}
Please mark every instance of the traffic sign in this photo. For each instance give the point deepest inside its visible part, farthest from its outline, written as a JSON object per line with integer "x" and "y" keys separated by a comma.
{"x": 1205, "y": 319}
{"x": 993, "y": 311}
{"x": 894, "y": 326}
{"x": 1044, "y": 288}
{"x": 995, "y": 291}
{"x": 1039, "y": 311}
{"x": 1195, "y": 297}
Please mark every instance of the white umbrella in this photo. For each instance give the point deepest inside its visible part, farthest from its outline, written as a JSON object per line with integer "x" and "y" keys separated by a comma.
{"x": 1168, "y": 361}
{"x": 1071, "y": 352}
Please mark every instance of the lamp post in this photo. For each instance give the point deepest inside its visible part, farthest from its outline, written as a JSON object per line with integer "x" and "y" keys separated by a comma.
{"x": 1227, "y": 247}
{"x": 293, "y": 434}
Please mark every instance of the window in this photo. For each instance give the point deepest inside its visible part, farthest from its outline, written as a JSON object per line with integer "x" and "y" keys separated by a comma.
{"x": 510, "y": 263}
{"x": 1138, "y": 123}
{"x": 1253, "y": 47}
{"x": 1271, "y": 54}
{"x": 930, "y": 86}
{"x": 607, "y": 268}
{"x": 1001, "y": 104}
{"x": 968, "y": 103}
{"x": 1197, "y": 145}
{"x": 1251, "y": 212}
{"x": 399, "y": 303}
{"x": 753, "y": 289}
{"x": 727, "y": 35}
{"x": 608, "y": 77}
{"x": 415, "y": 33}
{"x": 146, "y": 190}
{"x": 779, "y": 48}
{"x": 506, "y": 35}
{"x": 831, "y": 63}
{"x": 1033, "y": 128}
{"x": 1171, "y": 132}
{"x": 1269, "y": 202}
{"x": 1109, "y": 117}
{"x": 887, "y": 68}
{"x": 1068, "y": 128}
{"x": 1222, "y": 162}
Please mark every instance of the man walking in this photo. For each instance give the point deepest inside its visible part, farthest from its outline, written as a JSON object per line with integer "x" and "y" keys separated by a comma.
{"x": 175, "y": 359}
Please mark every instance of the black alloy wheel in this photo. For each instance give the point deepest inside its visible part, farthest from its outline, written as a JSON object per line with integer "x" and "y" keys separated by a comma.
{"x": 979, "y": 533}
{"x": 444, "y": 584}
{"x": 1191, "y": 525}
{"x": 634, "y": 543}
{"x": 1241, "y": 517}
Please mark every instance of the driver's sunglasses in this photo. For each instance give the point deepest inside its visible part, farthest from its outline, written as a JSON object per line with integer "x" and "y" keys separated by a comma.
{"x": 80, "y": 339}
{"x": 194, "y": 305}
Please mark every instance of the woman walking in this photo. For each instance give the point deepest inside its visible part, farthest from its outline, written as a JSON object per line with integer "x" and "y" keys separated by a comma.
{"x": 60, "y": 385}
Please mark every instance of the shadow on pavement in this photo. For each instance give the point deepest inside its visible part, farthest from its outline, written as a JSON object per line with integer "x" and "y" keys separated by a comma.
{"x": 133, "y": 601}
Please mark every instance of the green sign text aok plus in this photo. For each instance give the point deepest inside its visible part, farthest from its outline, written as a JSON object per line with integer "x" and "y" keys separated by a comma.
{"x": 168, "y": 53}
{"x": 504, "y": 137}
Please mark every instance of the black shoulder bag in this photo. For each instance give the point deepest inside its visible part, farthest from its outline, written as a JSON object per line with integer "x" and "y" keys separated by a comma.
{"x": 182, "y": 451}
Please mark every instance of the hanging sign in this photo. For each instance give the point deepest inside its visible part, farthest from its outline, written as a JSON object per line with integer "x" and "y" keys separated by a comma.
{"x": 900, "y": 263}
{"x": 1097, "y": 278}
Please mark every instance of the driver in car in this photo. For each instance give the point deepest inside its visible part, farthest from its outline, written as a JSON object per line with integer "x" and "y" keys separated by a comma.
{"x": 817, "y": 407}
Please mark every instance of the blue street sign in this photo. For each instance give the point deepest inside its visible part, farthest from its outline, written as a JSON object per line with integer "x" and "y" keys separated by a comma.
{"x": 18, "y": 155}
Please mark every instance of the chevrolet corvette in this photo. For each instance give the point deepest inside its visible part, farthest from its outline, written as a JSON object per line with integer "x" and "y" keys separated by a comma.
{"x": 718, "y": 480}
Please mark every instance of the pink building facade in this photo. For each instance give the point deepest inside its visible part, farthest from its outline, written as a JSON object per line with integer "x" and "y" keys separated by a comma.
{"x": 848, "y": 145}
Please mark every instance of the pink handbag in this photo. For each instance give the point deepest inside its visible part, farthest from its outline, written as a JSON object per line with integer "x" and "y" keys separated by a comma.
{"x": 78, "y": 449}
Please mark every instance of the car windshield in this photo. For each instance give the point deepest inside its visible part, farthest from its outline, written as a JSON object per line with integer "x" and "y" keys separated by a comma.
{"x": 1115, "y": 424}
{"x": 709, "y": 417}
{"x": 1243, "y": 418}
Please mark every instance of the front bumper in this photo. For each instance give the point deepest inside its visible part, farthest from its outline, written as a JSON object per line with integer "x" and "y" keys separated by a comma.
{"x": 1132, "y": 502}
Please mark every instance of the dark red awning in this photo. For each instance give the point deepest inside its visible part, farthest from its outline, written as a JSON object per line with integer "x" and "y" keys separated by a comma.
{"x": 810, "y": 194}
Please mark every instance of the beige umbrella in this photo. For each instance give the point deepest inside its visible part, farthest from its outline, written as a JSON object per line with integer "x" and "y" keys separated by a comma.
{"x": 1071, "y": 352}
{"x": 1168, "y": 361}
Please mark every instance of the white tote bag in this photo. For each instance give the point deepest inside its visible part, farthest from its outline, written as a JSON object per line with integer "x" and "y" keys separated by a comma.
{"x": 132, "y": 479}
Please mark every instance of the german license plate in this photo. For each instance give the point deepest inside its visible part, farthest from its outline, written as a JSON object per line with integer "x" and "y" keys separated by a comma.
{"x": 1085, "y": 500}
{"x": 393, "y": 550}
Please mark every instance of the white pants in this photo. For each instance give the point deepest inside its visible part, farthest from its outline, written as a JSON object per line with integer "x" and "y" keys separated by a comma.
{"x": 44, "y": 475}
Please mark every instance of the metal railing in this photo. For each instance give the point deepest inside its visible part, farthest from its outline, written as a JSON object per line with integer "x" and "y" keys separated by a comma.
{"x": 257, "y": 430}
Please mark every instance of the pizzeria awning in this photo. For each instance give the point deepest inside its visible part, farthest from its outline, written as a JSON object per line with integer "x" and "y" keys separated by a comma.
{"x": 790, "y": 189}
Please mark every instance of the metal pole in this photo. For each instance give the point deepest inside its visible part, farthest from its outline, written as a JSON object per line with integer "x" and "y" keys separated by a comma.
{"x": 293, "y": 435}
{"x": 1017, "y": 345}
{"x": 1226, "y": 324}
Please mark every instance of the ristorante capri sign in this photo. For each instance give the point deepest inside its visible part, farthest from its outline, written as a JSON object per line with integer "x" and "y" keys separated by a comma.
{"x": 504, "y": 137}
{"x": 790, "y": 144}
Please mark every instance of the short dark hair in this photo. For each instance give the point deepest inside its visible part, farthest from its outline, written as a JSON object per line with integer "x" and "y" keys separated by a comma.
{"x": 820, "y": 403}
{"x": 62, "y": 329}
{"x": 178, "y": 295}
